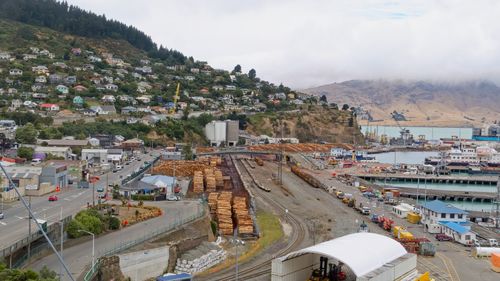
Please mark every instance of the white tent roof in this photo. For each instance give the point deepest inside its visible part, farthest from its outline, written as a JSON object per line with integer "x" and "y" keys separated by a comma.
{"x": 361, "y": 252}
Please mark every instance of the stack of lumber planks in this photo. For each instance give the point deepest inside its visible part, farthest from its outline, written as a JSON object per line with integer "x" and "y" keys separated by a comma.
{"x": 224, "y": 214}
{"x": 243, "y": 219}
{"x": 212, "y": 202}
{"x": 219, "y": 180}
{"x": 209, "y": 180}
{"x": 227, "y": 182}
{"x": 182, "y": 168}
{"x": 198, "y": 182}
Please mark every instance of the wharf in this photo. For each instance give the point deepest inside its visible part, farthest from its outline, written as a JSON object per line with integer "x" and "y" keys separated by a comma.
{"x": 480, "y": 180}
{"x": 459, "y": 196}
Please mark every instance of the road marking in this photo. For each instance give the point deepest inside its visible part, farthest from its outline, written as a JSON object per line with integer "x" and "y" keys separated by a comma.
{"x": 2, "y": 223}
{"x": 19, "y": 217}
{"x": 449, "y": 264}
{"x": 67, "y": 199}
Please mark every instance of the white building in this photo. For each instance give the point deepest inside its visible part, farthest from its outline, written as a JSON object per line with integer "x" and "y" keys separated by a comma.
{"x": 402, "y": 210}
{"x": 436, "y": 214}
{"x": 95, "y": 156}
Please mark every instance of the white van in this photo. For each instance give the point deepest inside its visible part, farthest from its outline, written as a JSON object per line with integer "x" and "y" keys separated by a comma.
{"x": 36, "y": 161}
{"x": 118, "y": 167}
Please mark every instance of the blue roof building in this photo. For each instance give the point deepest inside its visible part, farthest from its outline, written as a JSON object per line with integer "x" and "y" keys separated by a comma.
{"x": 436, "y": 214}
{"x": 157, "y": 182}
{"x": 459, "y": 233}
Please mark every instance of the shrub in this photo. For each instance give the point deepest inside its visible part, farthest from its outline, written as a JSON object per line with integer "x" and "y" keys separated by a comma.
{"x": 143, "y": 197}
{"x": 114, "y": 223}
{"x": 213, "y": 225}
{"x": 73, "y": 227}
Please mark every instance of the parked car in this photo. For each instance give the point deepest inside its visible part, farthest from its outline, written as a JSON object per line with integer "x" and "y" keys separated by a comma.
{"x": 172, "y": 198}
{"x": 36, "y": 161}
{"x": 118, "y": 167}
{"x": 53, "y": 198}
{"x": 1, "y": 216}
{"x": 443, "y": 237}
{"x": 365, "y": 211}
{"x": 100, "y": 189}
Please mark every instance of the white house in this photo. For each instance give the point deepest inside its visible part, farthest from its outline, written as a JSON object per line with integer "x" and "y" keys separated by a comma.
{"x": 402, "y": 210}
{"x": 108, "y": 98}
{"x": 95, "y": 156}
{"x": 111, "y": 87}
{"x": 436, "y": 212}
{"x": 41, "y": 79}
{"x": 459, "y": 233}
{"x": 62, "y": 89}
{"x": 115, "y": 155}
{"x": 16, "y": 72}
{"x": 143, "y": 99}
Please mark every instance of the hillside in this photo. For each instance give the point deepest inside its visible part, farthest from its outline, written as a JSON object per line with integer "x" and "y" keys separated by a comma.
{"x": 68, "y": 76}
{"x": 422, "y": 103}
{"x": 312, "y": 124}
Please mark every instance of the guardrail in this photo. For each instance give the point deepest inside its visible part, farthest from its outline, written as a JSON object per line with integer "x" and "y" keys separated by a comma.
{"x": 151, "y": 234}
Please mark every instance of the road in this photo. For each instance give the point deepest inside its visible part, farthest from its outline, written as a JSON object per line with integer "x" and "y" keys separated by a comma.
{"x": 14, "y": 226}
{"x": 80, "y": 256}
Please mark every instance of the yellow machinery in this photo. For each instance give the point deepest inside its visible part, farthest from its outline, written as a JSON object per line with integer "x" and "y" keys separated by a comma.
{"x": 176, "y": 98}
{"x": 424, "y": 277}
{"x": 413, "y": 217}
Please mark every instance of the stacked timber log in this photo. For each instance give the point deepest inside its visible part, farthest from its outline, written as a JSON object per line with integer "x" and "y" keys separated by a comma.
{"x": 227, "y": 182}
{"x": 212, "y": 202}
{"x": 198, "y": 182}
{"x": 182, "y": 168}
{"x": 259, "y": 161}
{"x": 243, "y": 219}
{"x": 224, "y": 215}
{"x": 210, "y": 183}
{"x": 199, "y": 259}
{"x": 219, "y": 180}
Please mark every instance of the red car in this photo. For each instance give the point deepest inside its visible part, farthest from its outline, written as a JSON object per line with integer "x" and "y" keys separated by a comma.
{"x": 53, "y": 198}
{"x": 443, "y": 237}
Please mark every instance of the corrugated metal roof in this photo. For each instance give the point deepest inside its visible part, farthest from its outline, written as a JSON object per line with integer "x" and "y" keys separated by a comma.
{"x": 441, "y": 207}
{"x": 455, "y": 227}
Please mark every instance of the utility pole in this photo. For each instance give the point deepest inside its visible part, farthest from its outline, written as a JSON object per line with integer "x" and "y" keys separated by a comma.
{"x": 61, "y": 269}
{"x": 497, "y": 202}
{"x": 29, "y": 230}
{"x": 280, "y": 166}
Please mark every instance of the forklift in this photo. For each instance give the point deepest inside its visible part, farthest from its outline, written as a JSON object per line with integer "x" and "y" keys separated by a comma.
{"x": 328, "y": 272}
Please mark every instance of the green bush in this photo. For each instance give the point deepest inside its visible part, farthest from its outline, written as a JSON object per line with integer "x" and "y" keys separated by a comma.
{"x": 114, "y": 223}
{"x": 89, "y": 220}
{"x": 73, "y": 227}
{"x": 213, "y": 225}
{"x": 143, "y": 197}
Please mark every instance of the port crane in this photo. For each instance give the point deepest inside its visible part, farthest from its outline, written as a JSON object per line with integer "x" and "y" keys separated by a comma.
{"x": 405, "y": 133}
{"x": 176, "y": 98}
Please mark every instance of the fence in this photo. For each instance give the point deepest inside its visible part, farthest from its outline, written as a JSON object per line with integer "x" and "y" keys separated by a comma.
{"x": 134, "y": 175}
{"x": 151, "y": 234}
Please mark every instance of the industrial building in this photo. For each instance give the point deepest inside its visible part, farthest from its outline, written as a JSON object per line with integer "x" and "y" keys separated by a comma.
{"x": 361, "y": 257}
{"x": 222, "y": 133}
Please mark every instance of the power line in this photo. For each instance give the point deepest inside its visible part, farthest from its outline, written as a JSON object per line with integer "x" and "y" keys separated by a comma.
{"x": 40, "y": 228}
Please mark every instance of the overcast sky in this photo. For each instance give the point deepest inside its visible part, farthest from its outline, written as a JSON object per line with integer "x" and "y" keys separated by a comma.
{"x": 306, "y": 43}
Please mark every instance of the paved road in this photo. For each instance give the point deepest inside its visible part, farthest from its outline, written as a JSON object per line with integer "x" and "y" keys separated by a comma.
{"x": 15, "y": 225}
{"x": 79, "y": 256}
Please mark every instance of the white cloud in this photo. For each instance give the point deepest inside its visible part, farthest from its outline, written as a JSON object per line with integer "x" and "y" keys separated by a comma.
{"x": 305, "y": 43}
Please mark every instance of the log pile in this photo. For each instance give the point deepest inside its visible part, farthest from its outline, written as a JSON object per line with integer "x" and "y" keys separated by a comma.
{"x": 243, "y": 219}
{"x": 224, "y": 215}
{"x": 198, "y": 182}
{"x": 227, "y": 182}
{"x": 209, "y": 180}
{"x": 259, "y": 161}
{"x": 212, "y": 202}
{"x": 219, "y": 180}
{"x": 182, "y": 168}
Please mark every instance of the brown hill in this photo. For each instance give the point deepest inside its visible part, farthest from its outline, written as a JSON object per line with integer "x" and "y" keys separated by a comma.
{"x": 422, "y": 103}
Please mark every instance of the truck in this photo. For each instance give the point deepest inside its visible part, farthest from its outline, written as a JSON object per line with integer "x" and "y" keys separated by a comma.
{"x": 493, "y": 242}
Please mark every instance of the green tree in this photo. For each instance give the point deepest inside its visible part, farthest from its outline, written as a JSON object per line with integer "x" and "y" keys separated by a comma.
{"x": 252, "y": 74}
{"x": 25, "y": 152}
{"x": 323, "y": 99}
{"x": 187, "y": 151}
{"x": 345, "y": 107}
{"x": 26, "y": 134}
{"x": 237, "y": 68}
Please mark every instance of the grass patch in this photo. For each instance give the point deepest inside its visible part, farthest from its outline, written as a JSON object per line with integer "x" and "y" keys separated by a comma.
{"x": 271, "y": 232}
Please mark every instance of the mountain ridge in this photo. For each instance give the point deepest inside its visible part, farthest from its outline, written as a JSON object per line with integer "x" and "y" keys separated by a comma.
{"x": 459, "y": 103}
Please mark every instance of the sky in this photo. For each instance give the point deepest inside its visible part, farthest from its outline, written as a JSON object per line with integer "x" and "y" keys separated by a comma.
{"x": 306, "y": 43}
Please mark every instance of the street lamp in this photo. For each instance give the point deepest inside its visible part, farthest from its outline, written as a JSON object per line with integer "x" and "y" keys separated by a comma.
{"x": 237, "y": 242}
{"x": 93, "y": 248}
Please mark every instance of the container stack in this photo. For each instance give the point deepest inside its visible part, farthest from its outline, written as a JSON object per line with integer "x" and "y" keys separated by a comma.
{"x": 243, "y": 219}
{"x": 198, "y": 182}
{"x": 210, "y": 180}
{"x": 212, "y": 202}
{"x": 219, "y": 180}
{"x": 224, "y": 215}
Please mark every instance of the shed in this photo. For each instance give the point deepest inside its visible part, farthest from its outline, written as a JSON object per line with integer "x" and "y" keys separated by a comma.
{"x": 157, "y": 182}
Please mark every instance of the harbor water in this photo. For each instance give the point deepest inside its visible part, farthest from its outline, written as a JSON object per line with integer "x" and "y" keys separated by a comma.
{"x": 404, "y": 157}
{"x": 430, "y": 133}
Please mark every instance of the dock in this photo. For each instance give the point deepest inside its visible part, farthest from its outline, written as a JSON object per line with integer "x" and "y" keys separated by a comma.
{"x": 479, "y": 180}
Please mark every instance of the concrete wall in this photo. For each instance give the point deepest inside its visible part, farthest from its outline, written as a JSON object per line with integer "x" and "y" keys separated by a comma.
{"x": 232, "y": 132}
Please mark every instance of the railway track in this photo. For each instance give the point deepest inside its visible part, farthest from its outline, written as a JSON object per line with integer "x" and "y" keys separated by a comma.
{"x": 298, "y": 235}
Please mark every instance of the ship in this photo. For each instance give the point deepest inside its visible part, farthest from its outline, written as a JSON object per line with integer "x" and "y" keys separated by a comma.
{"x": 488, "y": 133}
{"x": 467, "y": 156}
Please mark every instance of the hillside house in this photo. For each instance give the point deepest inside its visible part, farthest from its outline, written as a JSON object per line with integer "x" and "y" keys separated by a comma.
{"x": 189, "y": 78}
{"x": 144, "y": 99}
{"x": 30, "y": 104}
{"x": 44, "y": 52}
{"x": 70, "y": 80}
{"x": 141, "y": 90}
{"x": 62, "y": 89}
{"x": 132, "y": 120}
{"x": 108, "y": 99}
{"x": 128, "y": 110}
{"x": 89, "y": 112}
{"x": 60, "y": 65}
{"x": 15, "y": 72}
{"x": 41, "y": 79}
{"x": 111, "y": 87}
{"x": 55, "y": 78}
{"x": 4, "y": 56}
{"x": 80, "y": 88}
{"x": 39, "y": 96}
{"x": 95, "y": 59}
{"x": 40, "y": 69}
{"x": 16, "y": 103}
{"x": 78, "y": 101}
{"x": 230, "y": 87}
{"x": 195, "y": 70}
{"x": 88, "y": 67}
{"x": 38, "y": 87}
{"x": 76, "y": 51}
{"x": 49, "y": 107}
{"x": 218, "y": 88}
{"x": 27, "y": 57}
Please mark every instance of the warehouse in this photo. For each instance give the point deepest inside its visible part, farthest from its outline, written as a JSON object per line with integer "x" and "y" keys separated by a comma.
{"x": 363, "y": 256}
